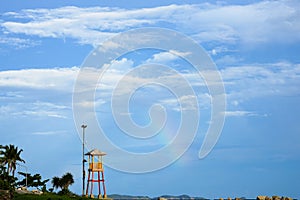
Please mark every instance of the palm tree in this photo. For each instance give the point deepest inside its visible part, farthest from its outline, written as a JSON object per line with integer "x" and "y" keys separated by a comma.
{"x": 66, "y": 180}
{"x": 10, "y": 157}
{"x": 56, "y": 182}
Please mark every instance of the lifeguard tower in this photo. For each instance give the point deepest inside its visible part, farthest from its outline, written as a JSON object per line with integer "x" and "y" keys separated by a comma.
{"x": 95, "y": 166}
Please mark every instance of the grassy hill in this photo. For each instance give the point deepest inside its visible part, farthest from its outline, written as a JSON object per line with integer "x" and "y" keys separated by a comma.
{"x": 48, "y": 196}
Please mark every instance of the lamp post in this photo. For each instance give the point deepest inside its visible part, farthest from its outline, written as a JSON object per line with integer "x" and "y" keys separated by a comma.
{"x": 83, "y": 126}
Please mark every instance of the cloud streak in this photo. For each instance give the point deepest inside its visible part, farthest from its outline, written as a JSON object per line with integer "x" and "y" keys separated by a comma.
{"x": 56, "y": 79}
{"x": 240, "y": 113}
{"x": 267, "y": 21}
{"x": 49, "y": 133}
{"x": 35, "y": 109}
{"x": 18, "y": 43}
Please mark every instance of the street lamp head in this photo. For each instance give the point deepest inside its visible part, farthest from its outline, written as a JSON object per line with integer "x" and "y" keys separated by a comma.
{"x": 83, "y": 126}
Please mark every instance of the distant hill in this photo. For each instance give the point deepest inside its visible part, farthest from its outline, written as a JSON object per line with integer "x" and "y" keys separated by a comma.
{"x": 168, "y": 197}
{"x": 129, "y": 197}
{"x": 181, "y": 197}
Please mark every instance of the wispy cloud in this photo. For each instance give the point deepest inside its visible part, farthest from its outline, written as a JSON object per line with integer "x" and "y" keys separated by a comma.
{"x": 163, "y": 57}
{"x": 240, "y": 113}
{"x": 187, "y": 103}
{"x": 38, "y": 93}
{"x": 56, "y": 79}
{"x": 167, "y": 56}
{"x": 267, "y": 21}
{"x": 251, "y": 81}
{"x": 18, "y": 43}
{"x": 10, "y": 95}
{"x": 46, "y": 133}
{"x": 35, "y": 109}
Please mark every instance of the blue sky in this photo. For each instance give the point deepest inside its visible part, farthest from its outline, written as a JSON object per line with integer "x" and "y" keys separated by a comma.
{"x": 254, "y": 44}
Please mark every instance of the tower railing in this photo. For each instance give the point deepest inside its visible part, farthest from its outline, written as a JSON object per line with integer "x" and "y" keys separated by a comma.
{"x": 96, "y": 166}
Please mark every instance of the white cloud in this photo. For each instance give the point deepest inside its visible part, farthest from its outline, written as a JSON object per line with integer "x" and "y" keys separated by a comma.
{"x": 220, "y": 49}
{"x": 123, "y": 64}
{"x": 228, "y": 60}
{"x": 267, "y": 21}
{"x": 56, "y": 79}
{"x": 166, "y": 56}
{"x": 240, "y": 113}
{"x": 259, "y": 80}
{"x": 18, "y": 43}
{"x": 180, "y": 53}
{"x": 241, "y": 83}
{"x": 259, "y": 22}
{"x": 10, "y": 95}
{"x": 91, "y": 104}
{"x": 51, "y": 133}
{"x": 187, "y": 103}
{"x": 162, "y": 57}
{"x": 35, "y": 109}
{"x": 24, "y": 92}
{"x": 204, "y": 100}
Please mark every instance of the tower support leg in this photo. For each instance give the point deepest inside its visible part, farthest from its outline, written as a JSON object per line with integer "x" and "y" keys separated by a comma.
{"x": 99, "y": 188}
{"x": 92, "y": 185}
{"x": 103, "y": 184}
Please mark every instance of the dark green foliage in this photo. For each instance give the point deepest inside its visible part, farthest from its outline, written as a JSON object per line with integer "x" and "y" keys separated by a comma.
{"x": 65, "y": 192}
{"x": 6, "y": 180}
{"x": 67, "y": 180}
{"x": 56, "y": 182}
{"x": 33, "y": 181}
{"x": 64, "y": 182}
{"x": 9, "y": 156}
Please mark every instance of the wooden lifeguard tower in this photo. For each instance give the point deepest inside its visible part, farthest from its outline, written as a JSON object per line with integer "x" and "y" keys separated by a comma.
{"x": 95, "y": 166}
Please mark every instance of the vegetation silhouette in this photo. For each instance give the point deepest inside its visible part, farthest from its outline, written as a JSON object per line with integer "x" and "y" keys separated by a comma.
{"x": 63, "y": 183}
{"x": 33, "y": 181}
{"x": 10, "y": 155}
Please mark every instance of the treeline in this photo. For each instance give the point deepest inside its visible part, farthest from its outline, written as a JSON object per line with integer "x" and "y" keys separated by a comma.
{"x": 10, "y": 158}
